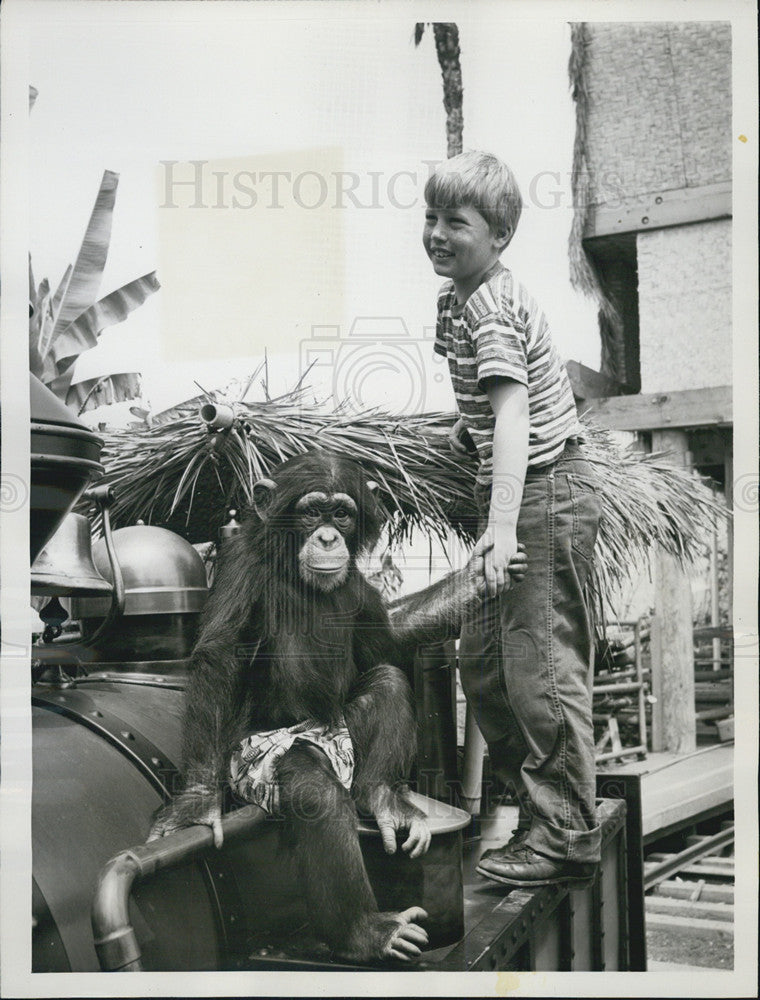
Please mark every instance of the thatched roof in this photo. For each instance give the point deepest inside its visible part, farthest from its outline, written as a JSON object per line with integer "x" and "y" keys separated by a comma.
{"x": 584, "y": 273}
{"x": 180, "y": 475}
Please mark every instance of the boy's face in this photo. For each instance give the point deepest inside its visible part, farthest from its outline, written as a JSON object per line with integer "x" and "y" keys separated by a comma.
{"x": 460, "y": 245}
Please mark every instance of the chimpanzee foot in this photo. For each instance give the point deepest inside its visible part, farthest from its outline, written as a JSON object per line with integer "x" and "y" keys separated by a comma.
{"x": 407, "y": 939}
{"x": 387, "y": 936}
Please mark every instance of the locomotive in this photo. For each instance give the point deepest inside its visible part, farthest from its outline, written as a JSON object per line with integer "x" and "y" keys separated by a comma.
{"x": 107, "y": 708}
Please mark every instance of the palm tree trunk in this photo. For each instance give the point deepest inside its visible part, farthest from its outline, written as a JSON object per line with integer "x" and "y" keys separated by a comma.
{"x": 447, "y": 48}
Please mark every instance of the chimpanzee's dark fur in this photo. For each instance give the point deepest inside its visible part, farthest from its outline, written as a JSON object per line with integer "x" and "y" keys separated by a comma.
{"x": 274, "y": 650}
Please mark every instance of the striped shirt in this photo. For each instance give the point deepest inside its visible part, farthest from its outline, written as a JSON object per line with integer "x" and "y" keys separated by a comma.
{"x": 502, "y": 331}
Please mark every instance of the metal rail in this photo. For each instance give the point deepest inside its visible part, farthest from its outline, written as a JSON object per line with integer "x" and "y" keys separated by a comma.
{"x": 115, "y": 940}
{"x": 659, "y": 872}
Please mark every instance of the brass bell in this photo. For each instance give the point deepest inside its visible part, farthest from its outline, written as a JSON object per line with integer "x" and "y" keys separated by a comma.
{"x": 65, "y": 566}
{"x": 232, "y": 527}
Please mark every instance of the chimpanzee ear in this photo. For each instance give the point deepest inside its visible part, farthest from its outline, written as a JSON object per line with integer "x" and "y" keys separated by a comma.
{"x": 263, "y": 494}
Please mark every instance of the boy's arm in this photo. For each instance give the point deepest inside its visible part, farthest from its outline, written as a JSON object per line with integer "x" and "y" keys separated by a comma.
{"x": 509, "y": 402}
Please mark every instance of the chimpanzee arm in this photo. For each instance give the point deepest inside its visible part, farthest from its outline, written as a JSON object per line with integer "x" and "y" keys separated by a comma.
{"x": 214, "y": 694}
{"x": 437, "y": 612}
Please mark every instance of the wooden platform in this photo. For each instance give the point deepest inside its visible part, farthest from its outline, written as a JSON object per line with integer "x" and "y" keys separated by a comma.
{"x": 679, "y": 789}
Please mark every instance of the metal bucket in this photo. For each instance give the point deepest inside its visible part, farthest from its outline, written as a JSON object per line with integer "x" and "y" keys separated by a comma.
{"x": 434, "y": 881}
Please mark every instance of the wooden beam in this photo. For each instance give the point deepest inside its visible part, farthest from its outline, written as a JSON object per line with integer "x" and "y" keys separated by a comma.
{"x": 587, "y": 383}
{"x": 709, "y": 407}
{"x": 660, "y": 209}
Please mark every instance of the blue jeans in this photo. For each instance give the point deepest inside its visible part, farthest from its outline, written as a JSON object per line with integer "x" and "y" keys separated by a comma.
{"x": 525, "y": 661}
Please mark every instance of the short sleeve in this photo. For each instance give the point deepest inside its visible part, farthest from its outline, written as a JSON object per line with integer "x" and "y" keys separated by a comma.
{"x": 443, "y": 321}
{"x": 501, "y": 349}
{"x": 439, "y": 345}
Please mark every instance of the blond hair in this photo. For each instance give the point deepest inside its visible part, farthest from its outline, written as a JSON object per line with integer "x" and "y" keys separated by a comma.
{"x": 481, "y": 181}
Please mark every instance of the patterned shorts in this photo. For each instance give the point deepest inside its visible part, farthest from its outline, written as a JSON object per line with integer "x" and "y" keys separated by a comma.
{"x": 253, "y": 765}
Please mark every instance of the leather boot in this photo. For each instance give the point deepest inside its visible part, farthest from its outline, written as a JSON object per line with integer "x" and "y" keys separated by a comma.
{"x": 523, "y": 866}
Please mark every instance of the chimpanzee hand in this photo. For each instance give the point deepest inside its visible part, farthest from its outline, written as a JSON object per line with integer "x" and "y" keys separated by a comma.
{"x": 517, "y": 566}
{"x": 460, "y": 441}
{"x": 193, "y": 807}
{"x": 393, "y": 813}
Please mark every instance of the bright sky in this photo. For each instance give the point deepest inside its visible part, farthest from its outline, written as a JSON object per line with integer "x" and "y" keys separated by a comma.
{"x": 341, "y": 104}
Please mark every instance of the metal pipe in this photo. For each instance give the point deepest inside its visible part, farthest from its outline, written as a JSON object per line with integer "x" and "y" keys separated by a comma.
{"x": 217, "y": 416}
{"x": 618, "y": 675}
{"x": 115, "y": 941}
{"x": 713, "y": 676}
{"x": 627, "y": 688}
{"x": 437, "y": 734}
{"x": 472, "y": 766}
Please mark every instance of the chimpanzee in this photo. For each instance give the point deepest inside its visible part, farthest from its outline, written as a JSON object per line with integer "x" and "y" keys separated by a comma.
{"x": 297, "y": 696}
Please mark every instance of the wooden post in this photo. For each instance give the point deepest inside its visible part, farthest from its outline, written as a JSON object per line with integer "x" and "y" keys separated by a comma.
{"x": 640, "y": 682}
{"x": 715, "y": 594}
{"x": 673, "y": 639}
{"x": 655, "y": 679}
{"x": 729, "y": 493}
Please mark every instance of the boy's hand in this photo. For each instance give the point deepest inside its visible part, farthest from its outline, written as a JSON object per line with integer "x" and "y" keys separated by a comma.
{"x": 460, "y": 441}
{"x": 503, "y": 560}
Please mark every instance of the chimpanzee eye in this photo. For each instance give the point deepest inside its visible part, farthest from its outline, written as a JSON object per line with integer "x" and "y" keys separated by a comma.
{"x": 341, "y": 514}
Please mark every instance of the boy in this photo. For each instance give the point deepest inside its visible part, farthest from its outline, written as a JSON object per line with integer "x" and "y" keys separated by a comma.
{"x": 524, "y": 662}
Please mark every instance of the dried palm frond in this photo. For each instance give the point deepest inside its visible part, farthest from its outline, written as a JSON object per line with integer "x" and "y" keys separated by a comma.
{"x": 648, "y": 502}
{"x": 182, "y": 476}
{"x": 582, "y": 273}
{"x": 160, "y": 473}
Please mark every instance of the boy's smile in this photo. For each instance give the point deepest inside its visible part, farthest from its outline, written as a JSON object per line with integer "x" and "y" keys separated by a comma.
{"x": 461, "y": 246}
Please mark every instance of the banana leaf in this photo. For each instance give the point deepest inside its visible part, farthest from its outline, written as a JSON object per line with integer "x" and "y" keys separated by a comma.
{"x": 83, "y": 332}
{"x": 84, "y": 281}
{"x": 103, "y": 391}
{"x": 61, "y": 290}
{"x": 41, "y": 363}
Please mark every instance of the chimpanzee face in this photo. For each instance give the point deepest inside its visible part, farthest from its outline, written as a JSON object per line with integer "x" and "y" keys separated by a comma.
{"x": 327, "y": 524}
{"x": 318, "y": 512}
